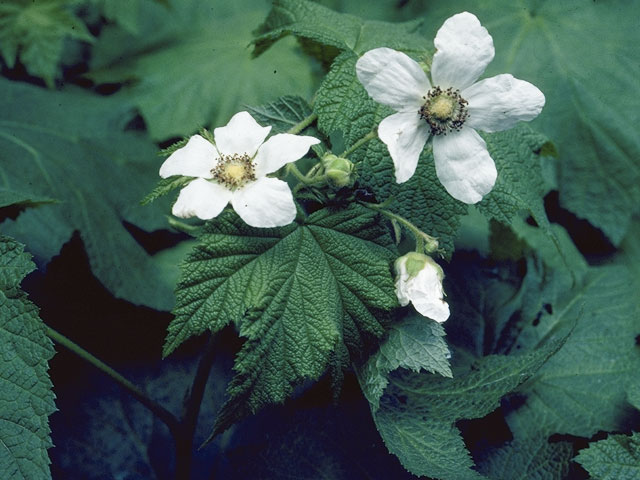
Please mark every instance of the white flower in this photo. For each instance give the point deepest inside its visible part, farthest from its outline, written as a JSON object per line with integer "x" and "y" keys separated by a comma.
{"x": 419, "y": 281}
{"x": 450, "y": 109}
{"x": 234, "y": 170}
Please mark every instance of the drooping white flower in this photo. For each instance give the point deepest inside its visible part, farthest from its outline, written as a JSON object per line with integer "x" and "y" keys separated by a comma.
{"x": 450, "y": 108}
{"x": 235, "y": 169}
{"x": 419, "y": 281}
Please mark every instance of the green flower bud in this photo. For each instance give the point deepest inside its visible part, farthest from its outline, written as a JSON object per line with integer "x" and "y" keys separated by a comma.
{"x": 339, "y": 171}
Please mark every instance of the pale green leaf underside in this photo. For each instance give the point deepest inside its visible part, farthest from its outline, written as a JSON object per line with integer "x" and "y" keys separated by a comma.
{"x": 69, "y": 146}
{"x": 601, "y": 351}
{"x": 615, "y": 458}
{"x": 26, "y": 396}
{"x": 196, "y": 70}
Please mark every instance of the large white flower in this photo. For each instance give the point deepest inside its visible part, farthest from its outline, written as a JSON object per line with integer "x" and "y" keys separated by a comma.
{"x": 450, "y": 108}
{"x": 234, "y": 170}
{"x": 419, "y": 281}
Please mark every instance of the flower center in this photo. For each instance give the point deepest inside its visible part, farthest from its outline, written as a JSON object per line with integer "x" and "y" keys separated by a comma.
{"x": 444, "y": 110}
{"x": 234, "y": 171}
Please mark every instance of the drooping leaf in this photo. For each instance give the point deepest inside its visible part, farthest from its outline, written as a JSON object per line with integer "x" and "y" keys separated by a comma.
{"x": 418, "y": 411}
{"x": 592, "y": 101}
{"x": 615, "y": 458}
{"x": 35, "y": 32}
{"x": 297, "y": 293}
{"x": 327, "y": 28}
{"x": 190, "y": 66}
{"x": 70, "y": 146}
{"x": 416, "y": 344}
{"x": 26, "y": 396}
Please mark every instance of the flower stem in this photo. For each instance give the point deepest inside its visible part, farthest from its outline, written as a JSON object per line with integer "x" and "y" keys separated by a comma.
{"x": 424, "y": 243}
{"x": 369, "y": 136}
{"x": 304, "y": 123}
{"x": 162, "y": 413}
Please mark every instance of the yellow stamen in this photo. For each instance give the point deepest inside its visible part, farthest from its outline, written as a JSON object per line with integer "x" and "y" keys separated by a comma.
{"x": 442, "y": 108}
{"x": 235, "y": 172}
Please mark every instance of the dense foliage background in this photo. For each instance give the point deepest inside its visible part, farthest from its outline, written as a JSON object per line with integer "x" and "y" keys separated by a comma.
{"x": 542, "y": 276}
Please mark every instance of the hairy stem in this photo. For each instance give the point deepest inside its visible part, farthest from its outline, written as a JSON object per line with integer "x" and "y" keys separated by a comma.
{"x": 304, "y": 123}
{"x": 162, "y": 413}
{"x": 369, "y": 136}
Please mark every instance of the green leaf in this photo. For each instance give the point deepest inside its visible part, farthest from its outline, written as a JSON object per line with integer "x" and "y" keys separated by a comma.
{"x": 36, "y": 31}
{"x": 70, "y": 146}
{"x": 583, "y": 388}
{"x": 327, "y": 28}
{"x": 26, "y": 397}
{"x": 21, "y": 199}
{"x": 615, "y": 458}
{"x": 524, "y": 460}
{"x": 417, "y": 414}
{"x": 297, "y": 293}
{"x": 592, "y": 97}
{"x": 282, "y": 114}
{"x": 126, "y": 13}
{"x": 416, "y": 344}
{"x": 191, "y": 67}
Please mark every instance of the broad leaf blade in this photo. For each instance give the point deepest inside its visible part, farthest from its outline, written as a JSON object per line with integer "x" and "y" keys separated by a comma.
{"x": 70, "y": 146}
{"x": 297, "y": 293}
{"x": 196, "y": 70}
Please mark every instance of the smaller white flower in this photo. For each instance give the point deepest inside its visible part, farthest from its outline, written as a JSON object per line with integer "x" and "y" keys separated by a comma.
{"x": 235, "y": 170}
{"x": 450, "y": 109}
{"x": 419, "y": 281}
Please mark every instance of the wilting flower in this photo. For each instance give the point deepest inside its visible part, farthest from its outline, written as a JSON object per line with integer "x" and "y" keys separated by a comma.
{"x": 234, "y": 169}
{"x": 450, "y": 108}
{"x": 419, "y": 281}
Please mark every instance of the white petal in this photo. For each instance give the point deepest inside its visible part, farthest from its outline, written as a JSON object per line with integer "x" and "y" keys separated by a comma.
{"x": 265, "y": 203}
{"x": 280, "y": 150}
{"x": 401, "y": 281}
{"x": 202, "y": 199}
{"x": 426, "y": 293}
{"x": 499, "y": 102}
{"x": 463, "y": 165}
{"x": 195, "y": 159}
{"x": 392, "y": 78}
{"x": 405, "y": 135}
{"x": 241, "y": 135}
{"x": 464, "y": 49}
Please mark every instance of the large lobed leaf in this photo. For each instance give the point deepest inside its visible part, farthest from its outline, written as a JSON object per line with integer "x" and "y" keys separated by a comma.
{"x": 593, "y": 101}
{"x": 584, "y": 387}
{"x": 190, "y": 65}
{"x": 69, "y": 146}
{"x": 297, "y": 293}
{"x": 26, "y": 396}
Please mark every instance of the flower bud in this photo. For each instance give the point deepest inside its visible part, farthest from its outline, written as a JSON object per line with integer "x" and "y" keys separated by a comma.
{"x": 339, "y": 170}
{"x": 419, "y": 281}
